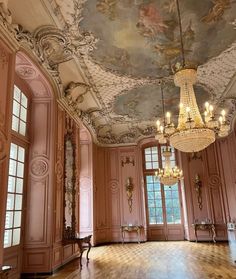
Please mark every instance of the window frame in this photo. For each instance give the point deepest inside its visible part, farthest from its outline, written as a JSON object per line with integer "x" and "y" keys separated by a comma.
{"x": 24, "y": 142}
{"x": 152, "y": 172}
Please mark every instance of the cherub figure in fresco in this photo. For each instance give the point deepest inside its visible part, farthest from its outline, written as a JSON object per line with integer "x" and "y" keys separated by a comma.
{"x": 216, "y": 12}
{"x": 172, "y": 49}
{"x": 150, "y": 21}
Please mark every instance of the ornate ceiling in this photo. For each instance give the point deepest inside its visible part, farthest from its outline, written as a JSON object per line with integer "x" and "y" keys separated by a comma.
{"x": 122, "y": 50}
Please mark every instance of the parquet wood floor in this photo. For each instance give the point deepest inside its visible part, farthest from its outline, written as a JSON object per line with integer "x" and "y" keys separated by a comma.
{"x": 155, "y": 260}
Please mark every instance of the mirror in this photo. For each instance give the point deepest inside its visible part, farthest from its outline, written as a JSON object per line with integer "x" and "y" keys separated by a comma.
{"x": 69, "y": 185}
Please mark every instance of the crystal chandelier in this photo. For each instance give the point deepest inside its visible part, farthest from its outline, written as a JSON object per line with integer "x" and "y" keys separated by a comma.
{"x": 192, "y": 133}
{"x": 168, "y": 176}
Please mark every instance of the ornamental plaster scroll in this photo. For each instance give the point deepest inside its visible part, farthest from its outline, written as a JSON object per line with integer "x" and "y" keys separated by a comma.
{"x": 5, "y": 12}
{"x": 3, "y": 57}
{"x": 69, "y": 14}
{"x": 75, "y": 92}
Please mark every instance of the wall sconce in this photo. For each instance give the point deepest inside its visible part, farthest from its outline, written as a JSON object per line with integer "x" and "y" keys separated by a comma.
{"x": 198, "y": 188}
{"x": 129, "y": 191}
{"x": 128, "y": 160}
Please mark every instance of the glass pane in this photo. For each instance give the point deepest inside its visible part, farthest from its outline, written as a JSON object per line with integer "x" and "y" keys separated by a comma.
{"x": 24, "y": 100}
{"x": 175, "y": 194}
{"x": 17, "y": 93}
{"x": 13, "y": 151}
{"x": 168, "y": 194}
{"x": 150, "y": 195}
{"x": 11, "y": 184}
{"x": 22, "y": 129}
{"x": 159, "y": 220}
{"x": 159, "y": 211}
{"x": 155, "y": 165}
{"x": 16, "y": 108}
{"x": 158, "y": 203}
{"x": 157, "y": 186}
{"x": 154, "y": 157}
{"x": 148, "y": 166}
{"x": 21, "y": 154}
{"x": 154, "y": 149}
{"x": 158, "y": 195}
{"x": 148, "y": 158}
{"x": 17, "y": 219}
{"x": 16, "y": 237}
{"x": 152, "y": 220}
{"x": 168, "y": 203}
{"x": 151, "y": 211}
{"x": 19, "y": 185}
{"x": 20, "y": 169}
{"x": 12, "y": 167}
{"x": 23, "y": 114}
{"x": 9, "y": 220}
{"x": 10, "y": 201}
{"x": 7, "y": 238}
{"x": 18, "y": 202}
{"x": 175, "y": 202}
{"x": 149, "y": 187}
{"x": 148, "y": 151}
{"x": 149, "y": 178}
{"x": 151, "y": 203}
{"x": 15, "y": 123}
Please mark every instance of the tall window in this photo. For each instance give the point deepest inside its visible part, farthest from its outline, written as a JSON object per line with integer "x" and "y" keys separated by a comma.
{"x": 163, "y": 201}
{"x": 16, "y": 171}
{"x": 19, "y": 116}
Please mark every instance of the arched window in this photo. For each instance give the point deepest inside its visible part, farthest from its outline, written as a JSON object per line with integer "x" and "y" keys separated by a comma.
{"x": 163, "y": 202}
{"x": 18, "y": 148}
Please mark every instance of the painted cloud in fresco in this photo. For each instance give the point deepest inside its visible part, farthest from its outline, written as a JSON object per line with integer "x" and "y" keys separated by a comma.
{"x": 141, "y": 38}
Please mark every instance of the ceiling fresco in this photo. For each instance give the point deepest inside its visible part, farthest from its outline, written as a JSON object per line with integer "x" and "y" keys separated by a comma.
{"x": 145, "y": 103}
{"x": 141, "y": 38}
{"x": 109, "y": 57}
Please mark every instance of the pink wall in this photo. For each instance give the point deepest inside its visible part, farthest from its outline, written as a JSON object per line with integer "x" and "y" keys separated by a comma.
{"x": 110, "y": 201}
{"x": 216, "y": 168}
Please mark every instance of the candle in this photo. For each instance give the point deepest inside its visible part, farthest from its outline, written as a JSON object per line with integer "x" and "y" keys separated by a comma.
{"x": 168, "y": 117}
{"x": 223, "y": 115}
{"x": 158, "y": 125}
{"x": 211, "y": 110}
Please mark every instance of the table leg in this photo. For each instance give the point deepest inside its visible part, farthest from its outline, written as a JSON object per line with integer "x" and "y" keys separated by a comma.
{"x": 80, "y": 258}
{"x": 90, "y": 245}
{"x": 138, "y": 232}
{"x": 123, "y": 236}
{"x": 213, "y": 234}
{"x": 195, "y": 232}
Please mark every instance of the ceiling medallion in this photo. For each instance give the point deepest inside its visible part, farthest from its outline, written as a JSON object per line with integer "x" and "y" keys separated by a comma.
{"x": 192, "y": 134}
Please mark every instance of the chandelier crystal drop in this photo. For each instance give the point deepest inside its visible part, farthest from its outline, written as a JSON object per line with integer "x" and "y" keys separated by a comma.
{"x": 192, "y": 133}
{"x": 168, "y": 176}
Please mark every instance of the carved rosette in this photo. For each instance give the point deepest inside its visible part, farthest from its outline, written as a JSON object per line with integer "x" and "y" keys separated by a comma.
{"x": 214, "y": 181}
{"x": 39, "y": 167}
{"x": 26, "y": 72}
{"x": 114, "y": 186}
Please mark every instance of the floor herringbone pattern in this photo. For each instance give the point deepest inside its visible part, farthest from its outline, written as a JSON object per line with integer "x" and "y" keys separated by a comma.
{"x": 155, "y": 260}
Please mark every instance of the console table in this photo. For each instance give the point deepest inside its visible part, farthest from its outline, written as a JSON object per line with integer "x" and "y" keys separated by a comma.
{"x": 210, "y": 227}
{"x": 4, "y": 270}
{"x": 84, "y": 242}
{"x": 131, "y": 228}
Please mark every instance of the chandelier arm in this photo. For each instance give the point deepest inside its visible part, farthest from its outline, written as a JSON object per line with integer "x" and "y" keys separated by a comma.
{"x": 181, "y": 33}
